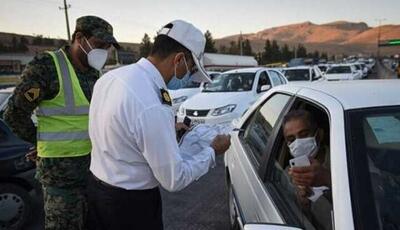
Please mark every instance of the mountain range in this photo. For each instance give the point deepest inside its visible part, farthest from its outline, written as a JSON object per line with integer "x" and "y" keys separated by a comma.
{"x": 340, "y": 37}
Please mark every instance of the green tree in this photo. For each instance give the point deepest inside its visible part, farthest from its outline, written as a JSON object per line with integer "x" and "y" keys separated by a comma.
{"x": 324, "y": 55}
{"x": 223, "y": 49}
{"x": 316, "y": 54}
{"x": 210, "y": 43}
{"x": 301, "y": 51}
{"x": 286, "y": 53}
{"x": 145, "y": 46}
{"x": 267, "y": 52}
{"x": 276, "y": 52}
{"x": 14, "y": 44}
{"x": 233, "y": 48}
{"x": 247, "y": 50}
{"x": 37, "y": 40}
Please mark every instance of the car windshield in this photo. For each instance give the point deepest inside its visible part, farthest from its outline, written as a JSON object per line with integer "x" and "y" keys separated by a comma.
{"x": 357, "y": 67}
{"x": 191, "y": 84}
{"x": 297, "y": 74}
{"x": 374, "y": 142}
{"x": 339, "y": 70}
{"x": 3, "y": 97}
{"x": 232, "y": 82}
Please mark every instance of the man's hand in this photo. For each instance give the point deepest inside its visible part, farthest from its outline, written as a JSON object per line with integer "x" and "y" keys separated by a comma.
{"x": 302, "y": 194}
{"x": 180, "y": 125}
{"x": 221, "y": 143}
{"x": 311, "y": 176}
{"x": 32, "y": 154}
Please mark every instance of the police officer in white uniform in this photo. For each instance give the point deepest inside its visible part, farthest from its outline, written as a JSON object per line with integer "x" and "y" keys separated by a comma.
{"x": 132, "y": 129}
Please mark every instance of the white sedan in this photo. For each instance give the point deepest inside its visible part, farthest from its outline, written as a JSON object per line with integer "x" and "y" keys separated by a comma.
{"x": 343, "y": 72}
{"x": 303, "y": 73}
{"x": 180, "y": 95}
{"x": 229, "y": 95}
{"x": 5, "y": 94}
{"x": 361, "y": 125}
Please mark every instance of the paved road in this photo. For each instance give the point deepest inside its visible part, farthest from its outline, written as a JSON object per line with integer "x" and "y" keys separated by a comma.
{"x": 201, "y": 206}
{"x": 382, "y": 72}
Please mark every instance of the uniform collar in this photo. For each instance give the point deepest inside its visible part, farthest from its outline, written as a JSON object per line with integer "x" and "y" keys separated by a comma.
{"x": 155, "y": 75}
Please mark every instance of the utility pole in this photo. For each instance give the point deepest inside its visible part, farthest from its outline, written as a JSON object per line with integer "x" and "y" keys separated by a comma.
{"x": 65, "y": 8}
{"x": 380, "y": 20}
{"x": 241, "y": 44}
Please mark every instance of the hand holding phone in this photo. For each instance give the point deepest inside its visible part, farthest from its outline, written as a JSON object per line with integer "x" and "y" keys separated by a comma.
{"x": 300, "y": 161}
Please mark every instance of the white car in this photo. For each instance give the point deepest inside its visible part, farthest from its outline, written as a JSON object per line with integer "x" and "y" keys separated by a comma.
{"x": 303, "y": 73}
{"x": 362, "y": 68}
{"x": 5, "y": 94}
{"x": 361, "y": 125}
{"x": 229, "y": 95}
{"x": 180, "y": 95}
{"x": 342, "y": 72}
{"x": 323, "y": 68}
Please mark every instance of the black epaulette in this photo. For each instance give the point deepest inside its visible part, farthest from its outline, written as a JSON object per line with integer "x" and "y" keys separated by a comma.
{"x": 165, "y": 98}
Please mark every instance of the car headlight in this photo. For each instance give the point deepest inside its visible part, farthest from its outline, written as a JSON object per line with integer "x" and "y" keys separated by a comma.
{"x": 223, "y": 110}
{"x": 179, "y": 100}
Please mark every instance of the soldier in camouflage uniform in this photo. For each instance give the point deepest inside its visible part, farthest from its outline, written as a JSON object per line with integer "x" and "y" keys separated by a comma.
{"x": 63, "y": 179}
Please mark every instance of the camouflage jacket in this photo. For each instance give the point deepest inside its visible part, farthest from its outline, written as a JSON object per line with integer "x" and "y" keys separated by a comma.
{"x": 39, "y": 82}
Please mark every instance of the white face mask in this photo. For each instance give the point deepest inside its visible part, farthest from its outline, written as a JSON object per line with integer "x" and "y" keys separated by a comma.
{"x": 304, "y": 147}
{"x": 187, "y": 70}
{"x": 96, "y": 57}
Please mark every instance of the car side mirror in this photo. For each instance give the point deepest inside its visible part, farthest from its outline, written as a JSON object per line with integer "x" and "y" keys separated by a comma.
{"x": 264, "y": 88}
{"x": 269, "y": 227}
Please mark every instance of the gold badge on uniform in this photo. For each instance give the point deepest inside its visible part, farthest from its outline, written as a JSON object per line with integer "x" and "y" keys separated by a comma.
{"x": 166, "y": 99}
{"x": 32, "y": 94}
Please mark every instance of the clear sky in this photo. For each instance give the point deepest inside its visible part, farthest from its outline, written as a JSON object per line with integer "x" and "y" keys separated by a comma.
{"x": 132, "y": 18}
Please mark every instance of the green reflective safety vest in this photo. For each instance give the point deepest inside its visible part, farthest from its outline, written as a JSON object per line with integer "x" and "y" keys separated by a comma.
{"x": 63, "y": 121}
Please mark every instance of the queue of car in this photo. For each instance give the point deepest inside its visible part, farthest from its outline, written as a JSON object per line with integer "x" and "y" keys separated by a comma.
{"x": 229, "y": 95}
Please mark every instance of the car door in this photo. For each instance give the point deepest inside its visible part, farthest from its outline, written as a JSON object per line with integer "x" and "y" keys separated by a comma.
{"x": 246, "y": 156}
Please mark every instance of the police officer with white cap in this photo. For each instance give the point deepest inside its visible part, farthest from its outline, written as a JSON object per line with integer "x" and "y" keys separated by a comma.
{"x": 132, "y": 129}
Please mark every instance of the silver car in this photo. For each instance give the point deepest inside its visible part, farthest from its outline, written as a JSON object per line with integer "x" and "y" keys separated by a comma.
{"x": 361, "y": 122}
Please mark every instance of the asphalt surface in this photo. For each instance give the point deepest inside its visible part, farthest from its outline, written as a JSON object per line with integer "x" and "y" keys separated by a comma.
{"x": 204, "y": 204}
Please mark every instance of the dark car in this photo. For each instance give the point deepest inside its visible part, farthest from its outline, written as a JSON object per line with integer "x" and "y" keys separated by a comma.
{"x": 16, "y": 180}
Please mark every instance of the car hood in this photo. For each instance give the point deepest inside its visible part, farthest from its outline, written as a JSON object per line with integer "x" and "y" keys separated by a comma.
{"x": 206, "y": 100}
{"x": 183, "y": 92}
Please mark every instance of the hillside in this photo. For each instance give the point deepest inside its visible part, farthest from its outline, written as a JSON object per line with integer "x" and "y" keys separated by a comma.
{"x": 335, "y": 37}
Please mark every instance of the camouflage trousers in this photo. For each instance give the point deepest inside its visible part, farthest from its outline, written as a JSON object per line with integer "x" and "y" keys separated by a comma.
{"x": 64, "y": 208}
{"x": 64, "y": 183}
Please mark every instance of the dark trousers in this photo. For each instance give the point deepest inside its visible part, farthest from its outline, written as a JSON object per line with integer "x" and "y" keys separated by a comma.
{"x": 116, "y": 208}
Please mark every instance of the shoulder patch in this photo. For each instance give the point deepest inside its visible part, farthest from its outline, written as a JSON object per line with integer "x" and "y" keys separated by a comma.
{"x": 166, "y": 99}
{"x": 32, "y": 94}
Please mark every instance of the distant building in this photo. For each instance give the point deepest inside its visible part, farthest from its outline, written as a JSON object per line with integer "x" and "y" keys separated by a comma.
{"x": 13, "y": 63}
{"x": 223, "y": 62}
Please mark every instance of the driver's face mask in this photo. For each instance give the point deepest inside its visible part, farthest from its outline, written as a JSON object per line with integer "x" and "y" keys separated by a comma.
{"x": 304, "y": 147}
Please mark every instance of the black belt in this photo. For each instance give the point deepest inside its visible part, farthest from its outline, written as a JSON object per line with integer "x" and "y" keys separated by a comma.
{"x": 106, "y": 184}
{"x": 119, "y": 188}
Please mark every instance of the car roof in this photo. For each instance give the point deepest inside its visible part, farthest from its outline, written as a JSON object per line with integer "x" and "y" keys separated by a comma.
{"x": 246, "y": 70}
{"x": 299, "y": 67}
{"x": 354, "y": 94}
{"x": 343, "y": 64}
{"x": 7, "y": 90}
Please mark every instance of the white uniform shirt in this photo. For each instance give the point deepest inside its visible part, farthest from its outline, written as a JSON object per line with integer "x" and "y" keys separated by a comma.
{"x": 133, "y": 134}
